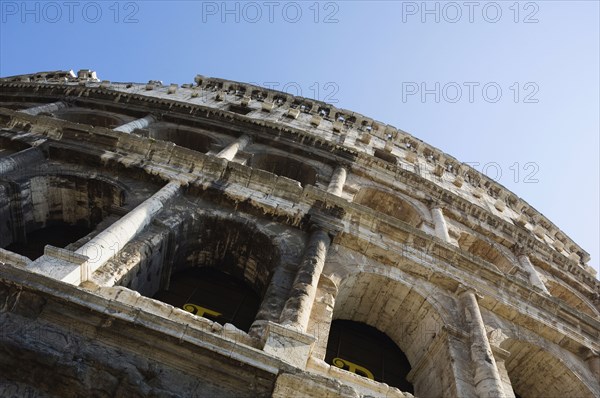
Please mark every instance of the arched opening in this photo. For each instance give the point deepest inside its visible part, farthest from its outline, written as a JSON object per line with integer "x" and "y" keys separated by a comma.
{"x": 364, "y": 350}
{"x": 286, "y": 167}
{"x": 54, "y": 210}
{"x": 213, "y": 294}
{"x": 569, "y": 297}
{"x": 487, "y": 252}
{"x": 579, "y": 295}
{"x": 220, "y": 269}
{"x": 388, "y": 204}
{"x": 93, "y": 117}
{"x": 194, "y": 139}
{"x": 407, "y": 320}
{"x": 535, "y": 372}
{"x": 57, "y": 234}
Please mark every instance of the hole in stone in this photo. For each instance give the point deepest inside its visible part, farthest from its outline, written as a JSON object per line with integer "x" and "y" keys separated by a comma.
{"x": 242, "y": 110}
{"x": 386, "y": 156}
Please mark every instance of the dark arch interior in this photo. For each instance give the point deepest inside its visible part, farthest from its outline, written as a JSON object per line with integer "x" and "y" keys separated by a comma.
{"x": 57, "y": 234}
{"x": 213, "y": 294}
{"x": 286, "y": 167}
{"x": 95, "y": 118}
{"x": 184, "y": 137}
{"x": 56, "y": 210}
{"x": 220, "y": 269}
{"x": 364, "y": 350}
{"x": 535, "y": 372}
{"x": 236, "y": 248}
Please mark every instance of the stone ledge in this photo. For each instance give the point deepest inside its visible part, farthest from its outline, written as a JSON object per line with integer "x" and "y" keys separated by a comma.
{"x": 61, "y": 264}
{"x": 13, "y": 258}
{"x": 287, "y": 344}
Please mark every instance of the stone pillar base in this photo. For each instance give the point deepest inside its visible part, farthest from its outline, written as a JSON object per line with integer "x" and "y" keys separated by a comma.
{"x": 287, "y": 344}
{"x": 61, "y": 264}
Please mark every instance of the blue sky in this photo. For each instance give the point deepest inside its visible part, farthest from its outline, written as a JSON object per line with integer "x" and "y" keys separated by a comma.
{"x": 512, "y": 87}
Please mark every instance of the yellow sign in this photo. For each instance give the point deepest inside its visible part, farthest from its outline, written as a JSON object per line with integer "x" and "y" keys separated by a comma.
{"x": 352, "y": 367}
{"x": 200, "y": 311}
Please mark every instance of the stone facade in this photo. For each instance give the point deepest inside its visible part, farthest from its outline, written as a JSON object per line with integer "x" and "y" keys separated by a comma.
{"x": 111, "y": 194}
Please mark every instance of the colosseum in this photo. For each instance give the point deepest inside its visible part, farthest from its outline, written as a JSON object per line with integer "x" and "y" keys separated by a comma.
{"x": 219, "y": 239}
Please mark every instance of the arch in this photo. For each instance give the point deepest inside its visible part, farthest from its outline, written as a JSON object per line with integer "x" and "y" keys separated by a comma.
{"x": 486, "y": 251}
{"x": 404, "y": 315}
{"x": 286, "y": 167}
{"x": 213, "y": 294}
{"x": 581, "y": 290}
{"x": 364, "y": 350}
{"x": 238, "y": 255}
{"x": 93, "y": 117}
{"x": 235, "y": 247}
{"x": 187, "y": 137}
{"x": 56, "y": 209}
{"x": 535, "y": 372}
{"x": 570, "y": 297}
{"x": 389, "y": 204}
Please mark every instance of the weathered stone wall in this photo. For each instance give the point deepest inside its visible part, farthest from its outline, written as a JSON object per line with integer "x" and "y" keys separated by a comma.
{"x": 324, "y": 213}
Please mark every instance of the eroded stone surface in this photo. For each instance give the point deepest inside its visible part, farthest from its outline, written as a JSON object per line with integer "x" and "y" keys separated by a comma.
{"x": 242, "y": 179}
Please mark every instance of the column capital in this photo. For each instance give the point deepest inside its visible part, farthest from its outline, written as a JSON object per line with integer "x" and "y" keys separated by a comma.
{"x": 320, "y": 221}
{"x": 462, "y": 290}
{"x": 435, "y": 203}
{"x": 521, "y": 250}
{"x": 455, "y": 332}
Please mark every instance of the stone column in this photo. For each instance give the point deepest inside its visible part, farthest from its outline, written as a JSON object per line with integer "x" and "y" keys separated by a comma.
{"x": 128, "y": 128}
{"x": 296, "y": 312}
{"x": 274, "y": 299}
{"x": 232, "y": 149}
{"x": 338, "y": 179}
{"x": 441, "y": 228}
{"x": 110, "y": 241}
{"x": 487, "y": 378}
{"x": 48, "y": 108}
{"x": 22, "y": 159}
{"x": 500, "y": 356}
{"x": 447, "y": 355}
{"x": 76, "y": 267}
{"x": 534, "y": 277}
{"x": 322, "y": 315}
